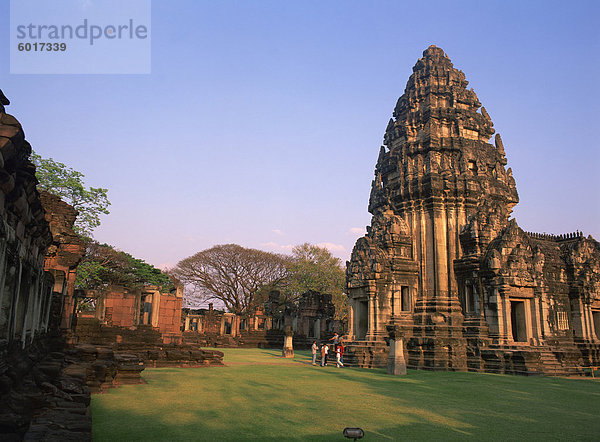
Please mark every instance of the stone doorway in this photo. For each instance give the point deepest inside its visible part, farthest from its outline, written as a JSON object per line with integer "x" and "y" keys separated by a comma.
{"x": 362, "y": 319}
{"x": 405, "y": 304}
{"x": 517, "y": 316}
{"x": 146, "y": 310}
{"x": 596, "y": 318}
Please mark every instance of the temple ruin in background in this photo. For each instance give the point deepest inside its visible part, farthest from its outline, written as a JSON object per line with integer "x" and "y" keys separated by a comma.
{"x": 149, "y": 307}
{"x": 443, "y": 262}
{"x": 312, "y": 318}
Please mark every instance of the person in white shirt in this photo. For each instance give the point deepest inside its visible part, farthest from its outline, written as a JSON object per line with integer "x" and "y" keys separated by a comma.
{"x": 324, "y": 351}
{"x": 338, "y": 355}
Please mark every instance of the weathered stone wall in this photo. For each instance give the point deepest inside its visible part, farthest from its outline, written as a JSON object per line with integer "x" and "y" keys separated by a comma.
{"x": 169, "y": 320}
{"x": 63, "y": 255}
{"x": 39, "y": 400}
{"x": 121, "y": 307}
{"x": 141, "y": 324}
{"x": 24, "y": 238}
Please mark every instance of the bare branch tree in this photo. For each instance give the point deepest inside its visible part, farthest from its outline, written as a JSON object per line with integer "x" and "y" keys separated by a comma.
{"x": 231, "y": 274}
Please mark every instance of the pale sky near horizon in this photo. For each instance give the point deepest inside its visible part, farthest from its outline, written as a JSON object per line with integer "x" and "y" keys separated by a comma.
{"x": 261, "y": 121}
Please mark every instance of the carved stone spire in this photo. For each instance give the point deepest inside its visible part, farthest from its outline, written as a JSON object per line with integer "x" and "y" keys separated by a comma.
{"x": 439, "y": 144}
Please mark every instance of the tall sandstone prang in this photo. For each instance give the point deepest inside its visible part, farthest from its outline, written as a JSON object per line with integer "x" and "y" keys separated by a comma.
{"x": 442, "y": 261}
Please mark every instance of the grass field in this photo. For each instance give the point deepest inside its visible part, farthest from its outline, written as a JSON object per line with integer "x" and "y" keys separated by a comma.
{"x": 262, "y": 396}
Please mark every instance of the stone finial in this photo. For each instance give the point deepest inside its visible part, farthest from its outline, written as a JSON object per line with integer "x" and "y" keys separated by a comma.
{"x": 3, "y": 101}
{"x": 499, "y": 144}
{"x": 485, "y": 114}
{"x": 433, "y": 50}
{"x": 394, "y": 332}
{"x": 391, "y": 125}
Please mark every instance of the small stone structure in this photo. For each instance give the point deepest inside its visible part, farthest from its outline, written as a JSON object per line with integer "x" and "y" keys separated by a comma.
{"x": 442, "y": 261}
{"x": 122, "y": 307}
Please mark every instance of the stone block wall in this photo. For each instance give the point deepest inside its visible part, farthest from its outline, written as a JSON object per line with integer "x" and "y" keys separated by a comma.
{"x": 121, "y": 308}
{"x": 38, "y": 254}
{"x": 25, "y": 293}
{"x": 169, "y": 320}
{"x": 63, "y": 255}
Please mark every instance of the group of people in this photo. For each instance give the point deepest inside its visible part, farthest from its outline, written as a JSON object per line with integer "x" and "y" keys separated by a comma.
{"x": 338, "y": 348}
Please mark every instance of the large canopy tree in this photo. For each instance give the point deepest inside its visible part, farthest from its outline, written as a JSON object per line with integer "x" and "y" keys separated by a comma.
{"x": 315, "y": 268}
{"x": 103, "y": 265}
{"x": 231, "y": 274}
{"x": 68, "y": 184}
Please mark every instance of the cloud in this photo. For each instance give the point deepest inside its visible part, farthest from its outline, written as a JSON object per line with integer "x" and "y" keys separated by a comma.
{"x": 165, "y": 266}
{"x": 357, "y": 230}
{"x": 278, "y": 247}
{"x": 277, "y": 232}
{"x": 333, "y": 247}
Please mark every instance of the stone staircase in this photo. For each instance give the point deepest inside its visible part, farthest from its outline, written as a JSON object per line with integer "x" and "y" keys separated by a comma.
{"x": 366, "y": 354}
{"x": 530, "y": 361}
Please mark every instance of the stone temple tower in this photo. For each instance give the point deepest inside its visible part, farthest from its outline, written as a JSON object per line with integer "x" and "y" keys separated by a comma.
{"x": 439, "y": 169}
{"x": 436, "y": 171}
{"x": 444, "y": 266}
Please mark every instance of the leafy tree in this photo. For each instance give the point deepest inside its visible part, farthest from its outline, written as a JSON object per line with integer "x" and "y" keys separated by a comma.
{"x": 103, "y": 265}
{"x": 231, "y": 274}
{"x": 68, "y": 184}
{"x": 315, "y": 268}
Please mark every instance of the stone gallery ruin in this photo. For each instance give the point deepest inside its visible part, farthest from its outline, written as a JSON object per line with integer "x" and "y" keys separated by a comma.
{"x": 443, "y": 262}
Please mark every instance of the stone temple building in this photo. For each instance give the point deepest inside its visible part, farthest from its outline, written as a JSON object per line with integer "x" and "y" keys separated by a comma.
{"x": 443, "y": 261}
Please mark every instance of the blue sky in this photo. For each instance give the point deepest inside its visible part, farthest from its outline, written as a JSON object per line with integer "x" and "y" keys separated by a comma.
{"x": 261, "y": 121}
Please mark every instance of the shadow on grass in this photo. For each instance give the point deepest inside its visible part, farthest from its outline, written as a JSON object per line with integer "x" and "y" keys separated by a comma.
{"x": 269, "y": 401}
{"x": 527, "y": 407}
{"x": 125, "y": 425}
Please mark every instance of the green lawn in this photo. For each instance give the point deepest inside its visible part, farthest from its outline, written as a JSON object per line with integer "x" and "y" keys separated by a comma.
{"x": 260, "y": 395}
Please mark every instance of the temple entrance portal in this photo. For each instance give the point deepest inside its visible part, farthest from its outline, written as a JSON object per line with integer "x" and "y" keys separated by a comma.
{"x": 517, "y": 315}
{"x": 362, "y": 319}
{"x": 146, "y": 310}
{"x": 596, "y": 317}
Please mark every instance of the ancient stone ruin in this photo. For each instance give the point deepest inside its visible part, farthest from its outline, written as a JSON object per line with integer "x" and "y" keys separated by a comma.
{"x": 312, "y": 318}
{"x": 444, "y": 264}
{"x": 39, "y": 396}
{"x": 143, "y": 322}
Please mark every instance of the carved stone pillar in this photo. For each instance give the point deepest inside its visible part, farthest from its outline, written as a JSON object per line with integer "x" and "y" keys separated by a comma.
{"x": 371, "y": 322}
{"x": 440, "y": 251}
{"x": 288, "y": 348}
{"x": 396, "y": 363}
{"x": 351, "y": 320}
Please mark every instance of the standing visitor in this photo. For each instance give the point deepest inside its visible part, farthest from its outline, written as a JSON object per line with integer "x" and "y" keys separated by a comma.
{"x": 341, "y": 352}
{"x": 335, "y": 339}
{"x": 324, "y": 350}
{"x": 314, "y": 352}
